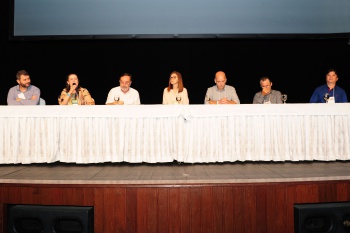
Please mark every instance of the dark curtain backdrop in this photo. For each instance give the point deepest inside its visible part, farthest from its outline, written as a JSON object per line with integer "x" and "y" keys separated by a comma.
{"x": 296, "y": 66}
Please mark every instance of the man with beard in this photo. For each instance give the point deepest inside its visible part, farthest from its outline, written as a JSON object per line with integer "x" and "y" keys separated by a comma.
{"x": 24, "y": 93}
{"x": 123, "y": 94}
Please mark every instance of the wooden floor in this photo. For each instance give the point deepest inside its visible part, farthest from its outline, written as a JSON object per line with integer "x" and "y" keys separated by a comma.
{"x": 174, "y": 173}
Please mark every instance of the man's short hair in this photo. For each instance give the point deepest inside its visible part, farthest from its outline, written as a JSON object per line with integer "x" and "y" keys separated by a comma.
{"x": 21, "y": 72}
{"x": 263, "y": 78}
{"x": 125, "y": 74}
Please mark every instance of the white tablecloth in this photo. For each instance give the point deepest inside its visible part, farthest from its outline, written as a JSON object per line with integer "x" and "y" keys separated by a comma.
{"x": 164, "y": 133}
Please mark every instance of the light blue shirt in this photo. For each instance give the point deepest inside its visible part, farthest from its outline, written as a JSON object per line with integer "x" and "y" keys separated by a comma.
{"x": 15, "y": 93}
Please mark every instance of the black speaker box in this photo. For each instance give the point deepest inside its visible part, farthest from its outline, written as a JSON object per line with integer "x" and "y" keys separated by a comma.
{"x": 56, "y": 219}
{"x": 322, "y": 218}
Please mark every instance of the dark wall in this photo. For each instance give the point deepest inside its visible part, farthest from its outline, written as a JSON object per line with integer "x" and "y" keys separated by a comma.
{"x": 295, "y": 66}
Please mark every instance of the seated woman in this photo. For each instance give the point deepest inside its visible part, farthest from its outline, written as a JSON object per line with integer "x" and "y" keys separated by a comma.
{"x": 73, "y": 93}
{"x": 175, "y": 93}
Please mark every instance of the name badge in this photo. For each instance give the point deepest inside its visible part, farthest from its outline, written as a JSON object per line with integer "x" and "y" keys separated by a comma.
{"x": 331, "y": 100}
{"x": 21, "y": 96}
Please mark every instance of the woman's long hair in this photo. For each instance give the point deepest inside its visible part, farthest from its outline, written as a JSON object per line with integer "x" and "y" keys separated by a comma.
{"x": 180, "y": 84}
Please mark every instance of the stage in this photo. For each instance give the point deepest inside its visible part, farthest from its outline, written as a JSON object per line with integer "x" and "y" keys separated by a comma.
{"x": 179, "y": 197}
{"x": 174, "y": 173}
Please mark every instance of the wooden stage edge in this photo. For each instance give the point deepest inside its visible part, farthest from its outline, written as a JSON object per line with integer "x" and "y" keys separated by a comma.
{"x": 174, "y": 173}
{"x": 239, "y": 197}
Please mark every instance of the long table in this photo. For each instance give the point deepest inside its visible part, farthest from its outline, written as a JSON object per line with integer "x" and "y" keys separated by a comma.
{"x": 164, "y": 133}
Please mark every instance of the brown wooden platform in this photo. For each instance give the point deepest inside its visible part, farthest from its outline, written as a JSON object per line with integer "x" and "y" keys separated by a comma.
{"x": 174, "y": 197}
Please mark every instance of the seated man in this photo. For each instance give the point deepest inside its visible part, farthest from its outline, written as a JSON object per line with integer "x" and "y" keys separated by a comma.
{"x": 24, "y": 93}
{"x": 267, "y": 95}
{"x": 221, "y": 93}
{"x": 123, "y": 94}
{"x": 329, "y": 92}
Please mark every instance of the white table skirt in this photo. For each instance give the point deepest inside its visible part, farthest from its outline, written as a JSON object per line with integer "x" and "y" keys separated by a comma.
{"x": 164, "y": 133}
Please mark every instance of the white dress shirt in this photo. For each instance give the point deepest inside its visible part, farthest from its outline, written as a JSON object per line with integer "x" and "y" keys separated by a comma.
{"x": 129, "y": 98}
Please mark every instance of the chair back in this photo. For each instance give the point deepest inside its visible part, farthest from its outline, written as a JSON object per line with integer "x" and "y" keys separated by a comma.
{"x": 42, "y": 101}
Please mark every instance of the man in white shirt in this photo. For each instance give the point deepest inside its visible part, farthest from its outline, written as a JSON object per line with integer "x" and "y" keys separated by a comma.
{"x": 123, "y": 94}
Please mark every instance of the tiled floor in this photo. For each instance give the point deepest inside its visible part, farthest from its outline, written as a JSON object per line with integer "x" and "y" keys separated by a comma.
{"x": 174, "y": 173}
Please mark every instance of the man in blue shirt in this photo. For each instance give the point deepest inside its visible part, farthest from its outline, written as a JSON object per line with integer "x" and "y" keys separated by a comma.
{"x": 24, "y": 93}
{"x": 329, "y": 92}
